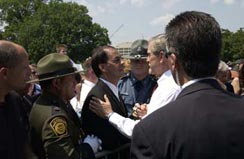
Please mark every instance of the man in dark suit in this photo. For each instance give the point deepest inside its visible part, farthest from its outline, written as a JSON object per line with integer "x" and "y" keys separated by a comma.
{"x": 205, "y": 121}
{"x": 108, "y": 67}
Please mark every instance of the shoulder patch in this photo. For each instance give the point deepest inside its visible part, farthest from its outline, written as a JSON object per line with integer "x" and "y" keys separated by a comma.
{"x": 59, "y": 126}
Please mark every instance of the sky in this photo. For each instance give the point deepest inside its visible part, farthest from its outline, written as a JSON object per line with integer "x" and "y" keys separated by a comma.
{"x": 129, "y": 20}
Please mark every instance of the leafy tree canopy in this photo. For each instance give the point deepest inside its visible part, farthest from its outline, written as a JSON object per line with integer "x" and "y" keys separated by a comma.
{"x": 40, "y": 25}
{"x": 233, "y": 45}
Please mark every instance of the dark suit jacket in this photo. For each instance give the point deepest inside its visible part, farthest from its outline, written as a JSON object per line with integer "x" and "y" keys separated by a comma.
{"x": 13, "y": 134}
{"x": 92, "y": 124}
{"x": 204, "y": 122}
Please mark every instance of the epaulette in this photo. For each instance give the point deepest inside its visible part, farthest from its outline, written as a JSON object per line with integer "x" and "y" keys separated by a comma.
{"x": 55, "y": 110}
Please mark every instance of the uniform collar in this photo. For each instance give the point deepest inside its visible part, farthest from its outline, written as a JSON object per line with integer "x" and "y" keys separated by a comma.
{"x": 134, "y": 80}
{"x": 54, "y": 99}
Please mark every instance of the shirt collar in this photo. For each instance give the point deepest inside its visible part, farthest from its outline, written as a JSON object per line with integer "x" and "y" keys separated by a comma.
{"x": 195, "y": 80}
{"x": 165, "y": 75}
{"x": 143, "y": 81}
{"x": 89, "y": 83}
{"x": 112, "y": 87}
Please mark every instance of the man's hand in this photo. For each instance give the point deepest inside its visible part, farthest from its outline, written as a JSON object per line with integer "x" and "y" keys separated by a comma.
{"x": 139, "y": 110}
{"x": 99, "y": 107}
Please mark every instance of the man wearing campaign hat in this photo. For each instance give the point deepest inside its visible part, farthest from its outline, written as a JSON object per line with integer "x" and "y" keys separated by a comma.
{"x": 55, "y": 128}
{"x": 137, "y": 86}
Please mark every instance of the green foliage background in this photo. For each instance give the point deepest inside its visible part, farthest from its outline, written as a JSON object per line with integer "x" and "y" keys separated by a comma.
{"x": 40, "y": 25}
{"x": 233, "y": 45}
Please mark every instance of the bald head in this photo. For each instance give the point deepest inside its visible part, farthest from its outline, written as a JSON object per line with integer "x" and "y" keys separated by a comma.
{"x": 14, "y": 67}
{"x": 10, "y": 53}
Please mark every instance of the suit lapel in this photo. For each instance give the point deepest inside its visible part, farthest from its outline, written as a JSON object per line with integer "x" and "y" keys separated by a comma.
{"x": 117, "y": 105}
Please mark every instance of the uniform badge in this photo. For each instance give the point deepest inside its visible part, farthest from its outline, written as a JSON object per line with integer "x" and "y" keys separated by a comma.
{"x": 59, "y": 126}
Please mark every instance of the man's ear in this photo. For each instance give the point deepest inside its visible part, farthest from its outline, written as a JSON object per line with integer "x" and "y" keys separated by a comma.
{"x": 172, "y": 61}
{"x": 162, "y": 56}
{"x": 4, "y": 72}
{"x": 102, "y": 67}
{"x": 56, "y": 83}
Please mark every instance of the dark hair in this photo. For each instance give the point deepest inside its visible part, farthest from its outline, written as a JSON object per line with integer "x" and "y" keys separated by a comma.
{"x": 77, "y": 77}
{"x": 8, "y": 55}
{"x": 45, "y": 84}
{"x": 195, "y": 38}
{"x": 99, "y": 56}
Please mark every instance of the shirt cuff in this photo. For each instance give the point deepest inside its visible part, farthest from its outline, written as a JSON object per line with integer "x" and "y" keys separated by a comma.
{"x": 109, "y": 115}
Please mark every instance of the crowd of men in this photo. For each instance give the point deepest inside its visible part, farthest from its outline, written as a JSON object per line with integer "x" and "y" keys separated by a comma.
{"x": 177, "y": 101}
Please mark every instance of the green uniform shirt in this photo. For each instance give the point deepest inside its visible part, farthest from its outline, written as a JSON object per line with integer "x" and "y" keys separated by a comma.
{"x": 56, "y": 130}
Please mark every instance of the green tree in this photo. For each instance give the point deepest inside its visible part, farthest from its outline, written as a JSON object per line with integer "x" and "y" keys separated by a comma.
{"x": 238, "y": 44}
{"x": 233, "y": 45}
{"x": 40, "y": 29}
{"x": 226, "y": 49}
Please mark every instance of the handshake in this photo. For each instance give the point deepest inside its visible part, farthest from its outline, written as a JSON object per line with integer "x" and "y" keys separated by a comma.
{"x": 139, "y": 111}
{"x": 94, "y": 142}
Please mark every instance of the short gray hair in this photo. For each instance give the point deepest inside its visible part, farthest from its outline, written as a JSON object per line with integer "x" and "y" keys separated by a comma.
{"x": 223, "y": 67}
{"x": 158, "y": 43}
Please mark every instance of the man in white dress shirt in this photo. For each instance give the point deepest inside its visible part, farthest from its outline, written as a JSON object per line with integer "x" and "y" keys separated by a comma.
{"x": 89, "y": 81}
{"x": 166, "y": 91}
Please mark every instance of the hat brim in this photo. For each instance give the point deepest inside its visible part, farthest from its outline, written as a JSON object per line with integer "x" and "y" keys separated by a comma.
{"x": 57, "y": 76}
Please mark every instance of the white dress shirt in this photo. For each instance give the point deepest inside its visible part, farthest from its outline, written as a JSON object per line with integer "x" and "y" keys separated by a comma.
{"x": 85, "y": 89}
{"x": 166, "y": 92}
{"x": 112, "y": 87}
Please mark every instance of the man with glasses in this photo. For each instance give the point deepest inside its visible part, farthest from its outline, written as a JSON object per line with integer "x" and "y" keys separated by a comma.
{"x": 137, "y": 86}
{"x": 108, "y": 67}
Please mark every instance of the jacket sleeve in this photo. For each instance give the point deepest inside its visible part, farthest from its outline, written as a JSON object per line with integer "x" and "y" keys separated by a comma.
{"x": 140, "y": 146}
{"x": 123, "y": 124}
{"x": 86, "y": 151}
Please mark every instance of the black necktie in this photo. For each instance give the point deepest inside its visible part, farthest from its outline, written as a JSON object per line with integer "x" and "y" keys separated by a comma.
{"x": 138, "y": 86}
{"x": 154, "y": 88}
